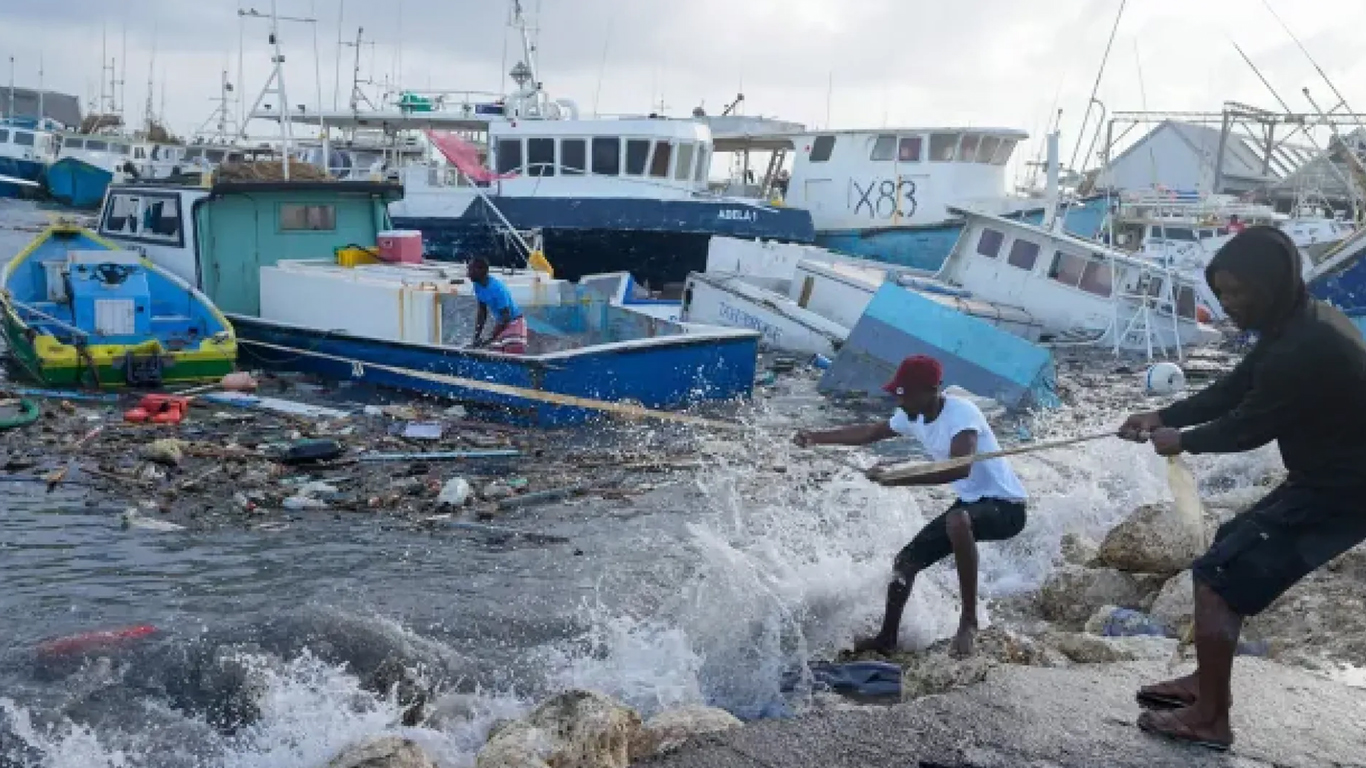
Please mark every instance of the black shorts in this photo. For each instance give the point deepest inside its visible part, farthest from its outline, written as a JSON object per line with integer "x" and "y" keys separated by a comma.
{"x": 992, "y": 520}
{"x": 1287, "y": 535}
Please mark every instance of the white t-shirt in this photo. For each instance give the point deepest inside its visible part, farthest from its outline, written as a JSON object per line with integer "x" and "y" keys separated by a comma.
{"x": 991, "y": 478}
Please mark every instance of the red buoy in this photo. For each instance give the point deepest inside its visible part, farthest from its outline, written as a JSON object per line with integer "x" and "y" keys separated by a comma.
{"x": 87, "y": 641}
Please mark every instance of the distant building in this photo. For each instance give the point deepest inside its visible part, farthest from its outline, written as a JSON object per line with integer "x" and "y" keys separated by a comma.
{"x": 1185, "y": 156}
{"x": 61, "y": 107}
{"x": 1330, "y": 178}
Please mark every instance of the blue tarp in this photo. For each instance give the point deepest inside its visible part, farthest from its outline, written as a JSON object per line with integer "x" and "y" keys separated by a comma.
{"x": 976, "y": 355}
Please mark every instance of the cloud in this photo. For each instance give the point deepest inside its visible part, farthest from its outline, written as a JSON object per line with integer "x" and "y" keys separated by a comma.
{"x": 873, "y": 62}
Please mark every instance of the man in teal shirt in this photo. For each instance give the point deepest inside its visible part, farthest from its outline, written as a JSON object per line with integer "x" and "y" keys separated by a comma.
{"x": 509, "y": 325}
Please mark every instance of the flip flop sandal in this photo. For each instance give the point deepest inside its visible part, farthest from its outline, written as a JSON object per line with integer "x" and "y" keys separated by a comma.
{"x": 1154, "y": 722}
{"x": 1163, "y": 700}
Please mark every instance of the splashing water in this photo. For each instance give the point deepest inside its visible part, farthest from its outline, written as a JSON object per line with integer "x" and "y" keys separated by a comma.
{"x": 778, "y": 556}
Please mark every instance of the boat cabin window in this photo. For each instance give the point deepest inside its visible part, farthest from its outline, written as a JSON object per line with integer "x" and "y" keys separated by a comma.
{"x": 234, "y": 157}
{"x": 683, "y": 166}
{"x": 194, "y": 154}
{"x": 942, "y": 146}
{"x": 659, "y": 161}
{"x": 884, "y": 148}
{"x": 96, "y": 146}
{"x": 1003, "y": 154}
{"x": 1023, "y": 254}
{"x": 121, "y": 216}
{"x": 540, "y": 157}
{"x": 23, "y": 138}
{"x": 607, "y": 156}
{"x": 214, "y": 155}
{"x": 637, "y": 153}
{"x": 968, "y": 152}
{"x": 908, "y": 151}
{"x": 161, "y": 218}
{"x": 573, "y": 157}
{"x": 1155, "y": 287}
{"x": 1067, "y": 268}
{"x": 509, "y": 155}
{"x": 139, "y": 153}
{"x": 821, "y": 148}
{"x": 703, "y": 163}
{"x": 1098, "y": 278}
{"x": 987, "y": 149}
{"x": 989, "y": 244}
{"x": 1179, "y": 233}
{"x": 1093, "y": 275}
{"x": 72, "y": 142}
{"x": 315, "y": 218}
{"x": 4, "y": 136}
{"x": 1185, "y": 302}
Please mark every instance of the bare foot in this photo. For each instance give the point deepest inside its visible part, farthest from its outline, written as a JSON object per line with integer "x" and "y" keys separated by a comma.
{"x": 1176, "y": 693}
{"x": 875, "y": 644}
{"x": 963, "y": 642}
{"x": 1191, "y": 725}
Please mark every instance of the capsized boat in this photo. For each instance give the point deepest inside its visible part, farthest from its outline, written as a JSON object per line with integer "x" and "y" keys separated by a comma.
{"x": 76, "y": 310}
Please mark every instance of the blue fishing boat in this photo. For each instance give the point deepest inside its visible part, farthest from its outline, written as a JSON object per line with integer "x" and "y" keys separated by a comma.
{"x": 78, "y": 183}
{"x": 299, "y": 298}
{"x": 76, "y": 310}
{"x": 25, "y": 151}
{"x": 1340, "y": 279}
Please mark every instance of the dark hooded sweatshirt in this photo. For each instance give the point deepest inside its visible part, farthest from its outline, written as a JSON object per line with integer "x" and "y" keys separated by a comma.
{"x": 1303, "y": 383}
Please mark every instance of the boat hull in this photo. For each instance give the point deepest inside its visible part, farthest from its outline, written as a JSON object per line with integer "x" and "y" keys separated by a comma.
{"x": 657, "y": 241}
{"x": 38, "y": 359}
{"x": 660, "y": 373}
{"x": 77, "y": 183}
{"x": 927, "y": 247}
{"x": 28, "y": 170}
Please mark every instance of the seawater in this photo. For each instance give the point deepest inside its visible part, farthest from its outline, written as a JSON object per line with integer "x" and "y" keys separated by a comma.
{"x": 715, "y": 589}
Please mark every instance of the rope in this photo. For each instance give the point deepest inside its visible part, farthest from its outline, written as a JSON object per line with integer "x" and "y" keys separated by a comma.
{"x": 519, "y": 392}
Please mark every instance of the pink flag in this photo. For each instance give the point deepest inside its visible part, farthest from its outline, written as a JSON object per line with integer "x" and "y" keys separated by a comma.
{"x": 464, "y": 156}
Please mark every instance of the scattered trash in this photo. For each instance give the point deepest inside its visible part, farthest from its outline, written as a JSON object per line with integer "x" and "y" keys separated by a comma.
{"x": 240, "y": 381}
{"x": 495, "y": 491}
{"x": 454, "y": 493}
{"x": 437, "y": 456}
{"x": 308, "y": 451}
{"x": 26, "y": 412}
{"x": 167, "y": 451}
{"x": 540, "y": 497}
{"x": 372, "y": 410}
{"x": 275, "y": 404}
{"x": 316, "y": 488}
{"x": 456, "y": 412}
{"x": 87, "y": 641}
{"x": 159, "y": 409}
{"x": 61, "y": 394}
{"x": 821, "y": 361}
{"x": 783, "y": 365}
{"x": 400, "y": 412}
{"x": 858, "y": 679}
{"x": 766, "y": 378}
{"x": 423, "y": 430}
{"x": 1164, "y": 379}
{"x": 300, "y": 503}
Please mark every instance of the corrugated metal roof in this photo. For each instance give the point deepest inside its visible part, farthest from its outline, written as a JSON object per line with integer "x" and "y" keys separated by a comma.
{"x": 1243, "y": 157}
{"x": 62, "y": 107}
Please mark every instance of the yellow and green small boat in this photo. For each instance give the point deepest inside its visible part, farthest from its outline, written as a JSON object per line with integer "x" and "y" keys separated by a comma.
{"x": 77, "y": 310}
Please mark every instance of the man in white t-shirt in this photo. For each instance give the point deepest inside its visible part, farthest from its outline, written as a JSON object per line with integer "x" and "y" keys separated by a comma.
{"x": 991, "y": 500}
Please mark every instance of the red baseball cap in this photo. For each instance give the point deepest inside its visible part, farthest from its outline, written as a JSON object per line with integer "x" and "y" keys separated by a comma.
{"x": 916, "y": 372}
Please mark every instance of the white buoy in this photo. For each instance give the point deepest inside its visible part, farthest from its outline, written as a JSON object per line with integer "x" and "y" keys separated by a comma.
{"x": 1164, "y": 379}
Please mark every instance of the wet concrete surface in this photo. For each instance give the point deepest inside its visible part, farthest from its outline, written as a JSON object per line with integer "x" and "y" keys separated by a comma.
{"x": 1077, "y": 717}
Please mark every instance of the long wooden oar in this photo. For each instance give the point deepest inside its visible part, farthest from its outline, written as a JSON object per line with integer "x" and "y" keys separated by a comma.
{"x": 919, "y": 469}
{"x": 512, "y": 391}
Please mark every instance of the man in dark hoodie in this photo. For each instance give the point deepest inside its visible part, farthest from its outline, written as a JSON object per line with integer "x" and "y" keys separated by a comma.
{"x": 1303, "y": 384}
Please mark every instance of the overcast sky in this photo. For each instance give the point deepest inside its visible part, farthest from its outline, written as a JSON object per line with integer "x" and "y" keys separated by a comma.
{"x": 862, "y": 62}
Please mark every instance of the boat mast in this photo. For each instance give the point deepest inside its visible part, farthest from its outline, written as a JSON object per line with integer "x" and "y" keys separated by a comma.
{"x": 10, "y": 112}
{"x": 275, "y": 84}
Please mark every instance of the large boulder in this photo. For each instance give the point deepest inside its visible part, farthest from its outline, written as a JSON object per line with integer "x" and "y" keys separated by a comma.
{"x": 1175, "y": 604}
{"x": 668, "y": 730}
{"x": 1072, "y": 593}
{"x": 574, "y": 729}
{"x": 1154, "y": 539}
{"x": 384, "y": 752}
